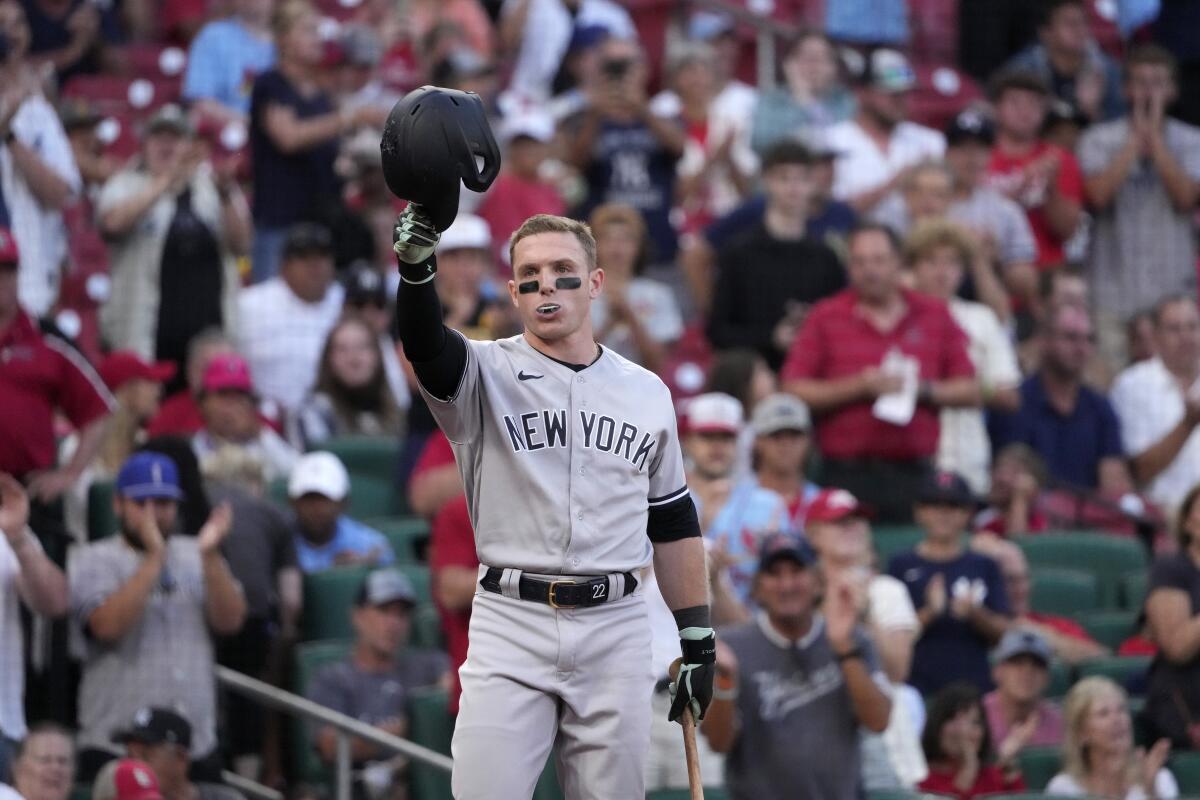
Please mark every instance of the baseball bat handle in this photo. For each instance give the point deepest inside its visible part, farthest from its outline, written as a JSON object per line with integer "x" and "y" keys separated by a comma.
{"x": 692, "y": 755}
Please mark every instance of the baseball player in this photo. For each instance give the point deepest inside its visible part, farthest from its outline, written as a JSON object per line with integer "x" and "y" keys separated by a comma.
{"x": 574, "y": 479}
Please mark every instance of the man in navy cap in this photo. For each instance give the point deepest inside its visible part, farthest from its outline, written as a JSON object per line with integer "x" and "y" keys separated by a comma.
{"x": 794, "y": 686}
{"x": 162, "y": 738}
{"x": 144, "y": 603}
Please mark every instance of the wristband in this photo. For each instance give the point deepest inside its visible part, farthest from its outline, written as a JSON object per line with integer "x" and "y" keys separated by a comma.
{"x": 724, "y": 694}
{"x": 855, "y": 652}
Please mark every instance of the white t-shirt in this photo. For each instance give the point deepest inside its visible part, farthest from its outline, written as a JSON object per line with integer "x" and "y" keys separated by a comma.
{"x": 1164, "y": 787}
{"x": 9, "y": 793}
{"x": 889, "y": 605}
{"x": 862, "y": 166}
{"x": 1149, "y": 404}
{"x": 281, "y": 337}
{"x": 963, "y": 445}
{"x": 12, "y": 653}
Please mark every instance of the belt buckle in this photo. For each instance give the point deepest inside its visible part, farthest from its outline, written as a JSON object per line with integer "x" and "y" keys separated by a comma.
{"x": 553, "y": 600}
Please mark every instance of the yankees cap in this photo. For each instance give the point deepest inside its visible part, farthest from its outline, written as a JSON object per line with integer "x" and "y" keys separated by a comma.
{"x": 156, "y": 725}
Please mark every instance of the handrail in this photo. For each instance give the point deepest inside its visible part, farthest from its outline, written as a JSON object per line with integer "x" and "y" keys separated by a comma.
{"x": 249, "y": 787}
{"x": 346, "y": 726}
{"x": 767, "y": 31}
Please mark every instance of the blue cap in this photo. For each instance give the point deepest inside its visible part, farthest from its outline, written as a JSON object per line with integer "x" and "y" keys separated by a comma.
{"x": 145, "y": 476}
{"x": 777, "y": 546}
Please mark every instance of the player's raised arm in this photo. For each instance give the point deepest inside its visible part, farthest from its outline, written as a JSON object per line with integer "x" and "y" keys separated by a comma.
{"x": 438, "y": 356}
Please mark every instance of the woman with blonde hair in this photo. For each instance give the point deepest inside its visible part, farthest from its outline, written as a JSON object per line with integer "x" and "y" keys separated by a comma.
{"x": 1099, "y": 756}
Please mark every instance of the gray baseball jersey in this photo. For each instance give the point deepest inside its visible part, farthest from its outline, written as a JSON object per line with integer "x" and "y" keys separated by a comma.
{"x": 584, "y": 455}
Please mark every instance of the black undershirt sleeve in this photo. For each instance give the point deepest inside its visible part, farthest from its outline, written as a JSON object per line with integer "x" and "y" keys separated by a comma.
{"x": 673, "y": 521}
{"x": 438, "y": 355}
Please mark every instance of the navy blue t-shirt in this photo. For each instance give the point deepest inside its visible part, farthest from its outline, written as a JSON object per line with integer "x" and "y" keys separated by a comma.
{"x": 296, "y": 187}
{"x": 835, "y": 219}
{"x": 629, "y": 165}
{"x": 951, "y": 649}
{"x": 1072, "y": 446}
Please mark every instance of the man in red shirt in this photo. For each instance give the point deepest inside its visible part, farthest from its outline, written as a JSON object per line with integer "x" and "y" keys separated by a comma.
{"x": 1043, "y": 178}
{"x": 879, "y": 340}
{"x": 41, "y": 375}
{"x": 455, "y": 573}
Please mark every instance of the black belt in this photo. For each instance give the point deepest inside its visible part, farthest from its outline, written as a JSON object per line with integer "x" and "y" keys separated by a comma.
{"x": 559, "y": 594}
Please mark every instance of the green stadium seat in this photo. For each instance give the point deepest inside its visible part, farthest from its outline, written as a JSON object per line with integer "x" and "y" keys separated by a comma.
{"x": 371, "y": 462}
{"x": 328, "y": 598}
{"x": 310, "y": 659}
{"x": 101, "y": 521}
{"x": 1106, "y": 556}
{"x": 547, "y": 786}
{"x": 277, "y": 492}
{"x": 892, "y": 539}
{"x": 427, "y": 628}
{"x": 716, "y": 793}
{"x": 1109, "y": 628}
{"x": 419, "y": 575}
{"x": 1039, "y": 765}
{"x": 1061, "y": 678}
{"x": 1186, "y": 769}
{"x": 373, "y": 496}
{"x": 80, "y": 791}
{"x": 430, "y": 724}
{"x": 409, "y": 536}
{"x": 1119, "y": 668}
{"x": 1133, "y": 589}
{"x": 1066, "y": 592}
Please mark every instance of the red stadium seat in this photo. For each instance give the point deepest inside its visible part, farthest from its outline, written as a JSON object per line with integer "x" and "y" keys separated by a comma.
{"x": 113, "y": 93}
{"x": 154, "y": 61}
{"x": 120, "y": 134}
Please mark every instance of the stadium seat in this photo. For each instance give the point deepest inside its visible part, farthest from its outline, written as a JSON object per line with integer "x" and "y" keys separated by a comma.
{"x": 886, "y": 794}
{"x": 1061, "y": 678}
{"x": 409, "y": 536}
{"x": 310, "y": 659}
{"x": 1108, "y": 557}
{"x": 371, "y": 455}
{"x": 373, "y": 496}
{"x": 431, "y": 725}
{"x": 1039, "y": 765}
{"x": 328, "y": 598}
{"x": 1133, "y": 589}
{"x": 547, "y": 786}
{"x": 1186, "y": 769}
{"x": 1121, "y": 669}
{"x": 101, "y": 521}
{"x": 427, "y": 627}
{"x": 892, "y": 539}
{"x": 1109, "y": 628}
{"x": 419, "y": 575}
{"x": 710, "y": 793}
{"x": 1066, "y": 592}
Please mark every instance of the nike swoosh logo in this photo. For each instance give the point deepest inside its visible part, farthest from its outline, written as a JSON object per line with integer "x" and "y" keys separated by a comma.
{"x": 521, "y": 376}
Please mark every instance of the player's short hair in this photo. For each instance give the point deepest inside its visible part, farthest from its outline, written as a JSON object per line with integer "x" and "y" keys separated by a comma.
{"x": 928, "y": 236}
{"x": 1150, "y": 55}
{"x": 549, "y": 223}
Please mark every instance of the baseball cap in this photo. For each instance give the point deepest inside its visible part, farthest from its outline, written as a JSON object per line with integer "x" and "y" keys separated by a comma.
{"x": 385, "y": 586}
{"x": 149, "y": 475}
{"x": 784, "y": 545}
{"x": 307, "y": 239}
{"x": 831, "y": 505}
{"x": 171, "y": 119}
{"x": 714, "y": 412}
{"x": 970, "y": 126}
{"x": 466, "y": 232}
{"x": 889, "y": 71}
{"x": 122, "y": 366}
{"x": 364, "y": 284}
{"x": 945, "y": 488}
{"x": 126, "y": 779}
{"x": 151, "y": 725}
{"x": 780, "y": 412}
{"x": 1020, "y": 642}
{"x": 530, "y": 124}
{"x": 9, "y": 254}
{"x": 77, "y": 113}
{"x": 319, "y": 473}
{"x": 227, "y": 372}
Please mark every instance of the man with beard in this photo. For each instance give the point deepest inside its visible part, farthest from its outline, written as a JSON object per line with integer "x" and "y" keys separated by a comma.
{"x": 144, "y": 603}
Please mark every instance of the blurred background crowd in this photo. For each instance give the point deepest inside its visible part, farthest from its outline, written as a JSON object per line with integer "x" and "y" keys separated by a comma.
{"x": 921, "y": 276}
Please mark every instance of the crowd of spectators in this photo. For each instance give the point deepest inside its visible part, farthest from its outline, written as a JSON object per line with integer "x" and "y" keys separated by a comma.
{"x": 924, "y": 291}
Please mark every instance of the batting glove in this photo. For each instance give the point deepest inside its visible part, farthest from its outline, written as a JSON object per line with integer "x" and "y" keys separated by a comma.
{"x": 414, "y": 239}
{"x": 693, "y": 685}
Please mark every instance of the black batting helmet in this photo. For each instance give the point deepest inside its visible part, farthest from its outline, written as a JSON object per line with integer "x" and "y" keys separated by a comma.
{"x": 431, "y": 140}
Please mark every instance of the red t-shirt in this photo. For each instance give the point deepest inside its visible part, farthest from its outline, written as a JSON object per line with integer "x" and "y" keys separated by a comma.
{"x": 1004, "y": 173}
{"x": 1063, "y": 625}
{"x": 510, "y": 202}
{"x": 990, "y": 781}
{"x": 41, "y": 374}
{"x": 837, "y": 341}
{"x": 452, "y": 544}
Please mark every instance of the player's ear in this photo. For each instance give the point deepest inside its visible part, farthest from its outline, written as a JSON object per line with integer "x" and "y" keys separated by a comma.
{"x": 512, "y": 292}
{"x": 595, "y": 282}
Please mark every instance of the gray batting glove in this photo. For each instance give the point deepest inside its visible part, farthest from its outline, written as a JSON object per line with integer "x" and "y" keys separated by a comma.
{"x": 414, "y": 239}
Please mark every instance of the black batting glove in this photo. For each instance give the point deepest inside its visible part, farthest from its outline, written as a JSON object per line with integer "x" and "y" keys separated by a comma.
{"x": 693, "y": 684}
{"x": 414, "y": 239}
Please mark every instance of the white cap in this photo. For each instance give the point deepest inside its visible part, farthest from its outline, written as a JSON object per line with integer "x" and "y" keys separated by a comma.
{"x": 714, "y": 412}
{"x": 467, "y": 231}
{"x": 319, "y": 473}
{"x": 536, "y": 125}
